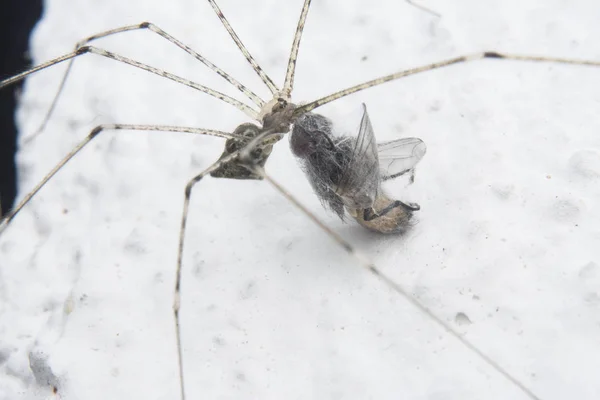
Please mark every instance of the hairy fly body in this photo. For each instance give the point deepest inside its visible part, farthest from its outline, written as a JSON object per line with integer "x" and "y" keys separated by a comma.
{"x": 346, "y": 174}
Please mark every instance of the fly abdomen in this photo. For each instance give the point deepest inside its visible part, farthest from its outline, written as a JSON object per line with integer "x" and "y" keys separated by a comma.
{"x": 396, "y": 218}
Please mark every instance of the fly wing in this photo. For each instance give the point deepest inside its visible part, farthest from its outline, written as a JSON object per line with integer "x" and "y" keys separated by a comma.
{"x": 397, "y": 157}
{"x": 360, "y": 180}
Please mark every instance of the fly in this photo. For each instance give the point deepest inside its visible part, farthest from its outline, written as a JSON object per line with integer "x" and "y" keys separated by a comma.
{"x": 346, "y": 172}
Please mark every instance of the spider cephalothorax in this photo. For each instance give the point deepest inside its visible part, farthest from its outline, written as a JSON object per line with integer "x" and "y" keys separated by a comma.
{"x": 276, "y": 122}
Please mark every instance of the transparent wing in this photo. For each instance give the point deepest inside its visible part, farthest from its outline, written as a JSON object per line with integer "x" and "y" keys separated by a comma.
{"x": 361, "y": 175}
{"x": 397, "y": 157}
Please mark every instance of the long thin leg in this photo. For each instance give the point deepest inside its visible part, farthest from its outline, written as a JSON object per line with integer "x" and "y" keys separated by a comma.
{"x": 369, "y": 214}
{"x": 5, "y": 220}
{"x": 395, "y": 286}
{"x": 188, "y": 191}
{"x": 393, "y": 176}
{"x": 457, "y": 60}
{"x": 265, "y": 78}
{"x": 153, "y": 28}
{"x": 423, "y": 8}
{"x": 288, "y": 85}
{"x": 363, "y": 260}
{"x": 101, "y": 52}
{"x": 177, "y": 294}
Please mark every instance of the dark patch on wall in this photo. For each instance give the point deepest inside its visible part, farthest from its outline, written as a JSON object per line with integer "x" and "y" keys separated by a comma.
{"x": 17, "y": 19}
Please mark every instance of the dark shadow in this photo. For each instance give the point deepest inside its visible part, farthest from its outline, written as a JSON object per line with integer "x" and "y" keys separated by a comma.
{"x": 16, "y": 21}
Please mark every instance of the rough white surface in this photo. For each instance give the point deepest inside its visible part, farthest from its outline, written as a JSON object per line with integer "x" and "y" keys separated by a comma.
{"x": 506, "y": 248}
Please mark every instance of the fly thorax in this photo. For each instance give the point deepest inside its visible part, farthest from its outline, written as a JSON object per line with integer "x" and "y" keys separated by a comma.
{"x": 311, "y": 132}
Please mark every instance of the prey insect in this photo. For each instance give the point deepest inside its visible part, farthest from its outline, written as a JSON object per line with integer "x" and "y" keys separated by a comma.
{"x": 345, "y": 172}
{"x": 249, "y": 146}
